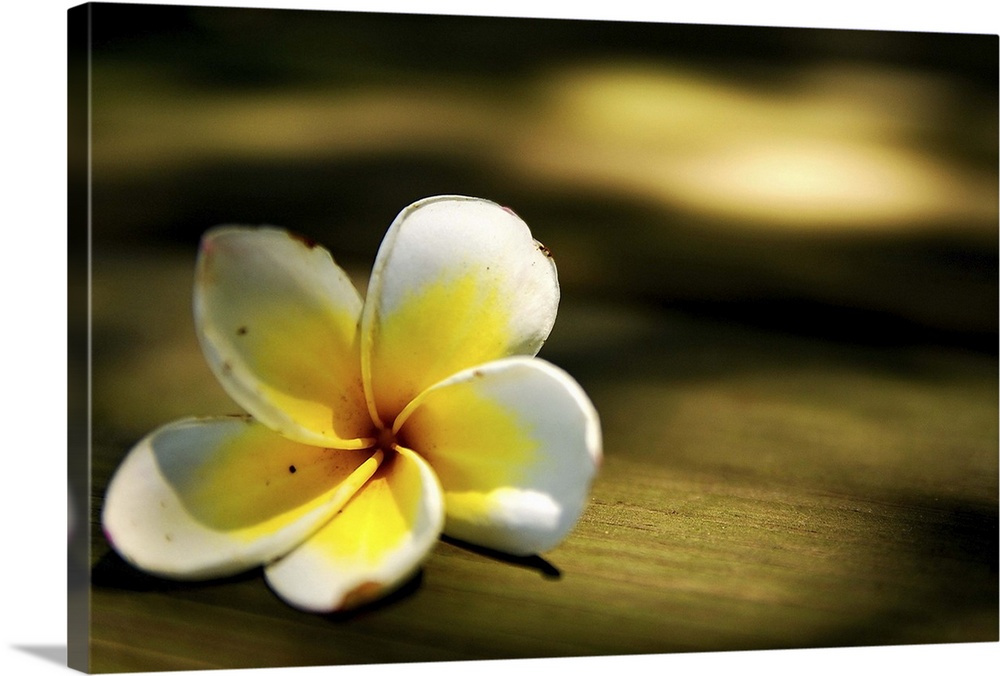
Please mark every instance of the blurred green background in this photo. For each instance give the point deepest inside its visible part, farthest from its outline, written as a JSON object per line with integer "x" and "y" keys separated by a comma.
{"x": 778, "y": 256}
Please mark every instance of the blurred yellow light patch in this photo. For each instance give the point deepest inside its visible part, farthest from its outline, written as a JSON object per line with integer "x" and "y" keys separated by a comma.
{"x": 831, "y": 148}
{"x": 789, "y": 182}
{"x": 812, "y": 146}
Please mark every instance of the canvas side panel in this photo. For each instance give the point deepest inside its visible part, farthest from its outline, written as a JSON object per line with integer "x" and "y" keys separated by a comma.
{"x": 78, "y": 339}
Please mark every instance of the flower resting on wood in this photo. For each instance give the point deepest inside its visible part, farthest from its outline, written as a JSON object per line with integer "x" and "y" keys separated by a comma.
{"x": 374, "y": 425}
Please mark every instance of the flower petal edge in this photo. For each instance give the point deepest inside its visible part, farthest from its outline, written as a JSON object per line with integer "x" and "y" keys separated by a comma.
{"x": 516, "y": 444}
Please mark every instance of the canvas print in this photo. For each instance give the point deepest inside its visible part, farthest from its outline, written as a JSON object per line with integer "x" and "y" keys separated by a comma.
{"x": 402, "y": 338}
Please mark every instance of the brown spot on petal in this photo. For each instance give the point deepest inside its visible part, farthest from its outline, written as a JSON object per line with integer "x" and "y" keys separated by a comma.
{"x": 544, "y": 249}
{"x": 242, "y": 331}
{"x": 291, "y": 469}
{"x": 363, "y": 593}
{"x": 308, "y": 241}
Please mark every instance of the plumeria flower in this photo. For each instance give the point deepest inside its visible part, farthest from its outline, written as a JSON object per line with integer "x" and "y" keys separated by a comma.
{"x": 373, "y": 426}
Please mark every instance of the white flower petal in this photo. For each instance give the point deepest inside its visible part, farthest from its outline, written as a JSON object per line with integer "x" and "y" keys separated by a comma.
{"x": 515, "y": 444}
{"x": 200, "y": 498}
{"x": 458, "y": 281}
{"x": 372, "y": 547}
{"x": 278, "y": 321}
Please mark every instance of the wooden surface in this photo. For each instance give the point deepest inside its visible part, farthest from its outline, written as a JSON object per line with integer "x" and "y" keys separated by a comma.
{"x": 758, "y": 491}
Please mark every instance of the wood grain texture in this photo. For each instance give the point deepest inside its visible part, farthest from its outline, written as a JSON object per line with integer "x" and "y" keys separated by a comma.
{"x": 759, "y": 490}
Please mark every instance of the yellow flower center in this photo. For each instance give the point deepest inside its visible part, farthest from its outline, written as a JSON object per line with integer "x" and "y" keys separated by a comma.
{"x": 386, "y": 440}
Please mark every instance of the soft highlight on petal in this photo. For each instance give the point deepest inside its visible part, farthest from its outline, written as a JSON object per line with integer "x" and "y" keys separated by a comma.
{"x": 458, "y": 281}
{"x": 515, "y": 444}
{"x": 278, "y": 322}
{"x": 201, "y": 498}
{"x": 374, "y": 545}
